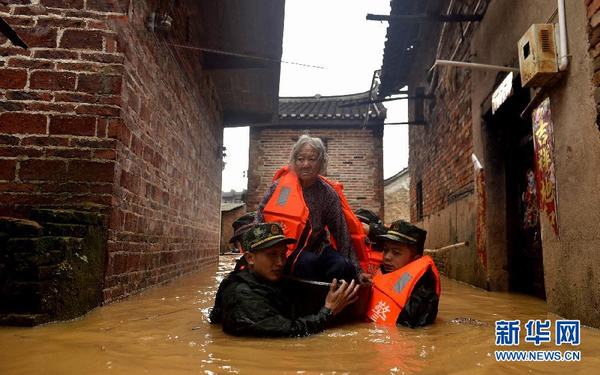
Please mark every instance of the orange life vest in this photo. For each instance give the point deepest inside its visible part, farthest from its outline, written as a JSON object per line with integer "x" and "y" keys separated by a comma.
{"x": 375, "y": 259}
{"x": 391, "y": 291}
{"x": 287, "y": 207}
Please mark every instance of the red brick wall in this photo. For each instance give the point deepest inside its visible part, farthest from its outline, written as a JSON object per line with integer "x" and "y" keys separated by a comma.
{"x": 56, "y": 101}
{"x": 355, "y": 160}
{"x": 99, "y": 111}
{"x": 165, "y": 220}
{"x": 440, "y": 152}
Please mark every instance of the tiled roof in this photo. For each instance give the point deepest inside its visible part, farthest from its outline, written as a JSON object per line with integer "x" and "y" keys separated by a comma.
{"x": 393, "y": 178}
{"x": 402, "y": 42}
{"x": 225, "y": 207}
{"x": 327, "y": 108}
{"x": 409, "y": 42}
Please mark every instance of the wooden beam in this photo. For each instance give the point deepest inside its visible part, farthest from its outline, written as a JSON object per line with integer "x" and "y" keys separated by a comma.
{"x": 426, "y": 17}
{"x": 386, "y": 100}
{"x": 410, "y": 123}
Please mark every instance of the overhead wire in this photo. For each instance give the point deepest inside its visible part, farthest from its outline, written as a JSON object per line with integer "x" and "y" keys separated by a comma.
{"x": 171, "y": 6}
{"x": 244, "y": 55}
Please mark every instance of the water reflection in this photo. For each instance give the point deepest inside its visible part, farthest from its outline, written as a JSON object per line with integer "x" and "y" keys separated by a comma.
{"x": 165, "y": 331}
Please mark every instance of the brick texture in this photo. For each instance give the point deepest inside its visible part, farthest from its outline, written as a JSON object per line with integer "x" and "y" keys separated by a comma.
{"x": 397, "y": 198}
{"x": 22, "y": 123}
{"x": 355, "y": 160}
{"x": 440, "y": 152}
{"x": 97, "y": 114}
{"x": 13, "y": 78}
{"x": 165, "y": 220}
{"x": 52, "y": 121}
{"x": 227, "y": 218}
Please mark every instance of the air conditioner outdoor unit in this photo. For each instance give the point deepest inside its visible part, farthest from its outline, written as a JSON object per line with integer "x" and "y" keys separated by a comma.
{"x": 537, "y": 55}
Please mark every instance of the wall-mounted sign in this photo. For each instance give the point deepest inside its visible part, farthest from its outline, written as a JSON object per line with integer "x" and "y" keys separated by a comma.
{"x": 543, "y": 144}
{"x": 504, "y": 90}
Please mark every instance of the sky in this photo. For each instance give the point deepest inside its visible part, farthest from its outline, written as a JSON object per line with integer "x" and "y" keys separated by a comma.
{"x": 335, "y": 35}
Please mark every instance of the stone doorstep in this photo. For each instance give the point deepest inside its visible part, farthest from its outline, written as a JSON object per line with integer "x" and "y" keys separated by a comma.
{"x": 40, "y": 245}
{"x": 25, "y": 320}
{"x": 15, "y": 227}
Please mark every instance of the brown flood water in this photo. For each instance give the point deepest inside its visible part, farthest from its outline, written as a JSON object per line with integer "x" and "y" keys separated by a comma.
{"x": 165, "y": 331}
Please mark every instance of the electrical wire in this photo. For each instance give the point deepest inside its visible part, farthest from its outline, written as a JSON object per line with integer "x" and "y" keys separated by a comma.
{"x": 244, "y": 55}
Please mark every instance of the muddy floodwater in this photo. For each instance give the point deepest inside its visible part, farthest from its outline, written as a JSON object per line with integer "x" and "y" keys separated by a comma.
{"x": 165, "y": 331}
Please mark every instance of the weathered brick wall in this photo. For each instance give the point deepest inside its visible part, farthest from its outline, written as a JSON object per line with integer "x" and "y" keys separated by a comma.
{"x": 440, "y": 258}
{"x": 355, "y": 160}
{"x": 397, "y": 199}
{"x": 56, "y": 101}
{"x": 440, "y": 152}
{"x": 165, "y": 218}
{"x": 227, "y": 218}
{"x": 397, "y": 206}
{"x": 593, "y": 13}
{"x": 99, "y": 110}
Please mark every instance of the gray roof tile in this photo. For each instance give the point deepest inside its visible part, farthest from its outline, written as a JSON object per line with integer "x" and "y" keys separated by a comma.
{"x": 328, "y": 107}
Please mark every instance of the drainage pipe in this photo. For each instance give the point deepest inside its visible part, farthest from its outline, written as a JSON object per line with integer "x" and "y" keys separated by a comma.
{"x": 470, "y": 65}
{"x": 563, "y": 60}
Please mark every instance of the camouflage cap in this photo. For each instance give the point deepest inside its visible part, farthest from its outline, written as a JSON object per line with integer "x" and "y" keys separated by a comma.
{"x": 404, "y": 232}
{"x": 264, "y": 235}
{"x": 241, "y": 225}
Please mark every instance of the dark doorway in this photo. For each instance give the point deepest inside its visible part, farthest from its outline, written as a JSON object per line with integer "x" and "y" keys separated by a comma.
{"x": 524, "y": 245}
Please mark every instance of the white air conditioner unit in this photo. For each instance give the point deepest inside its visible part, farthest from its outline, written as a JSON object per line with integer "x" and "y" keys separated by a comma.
{"x": 537, "y": 55}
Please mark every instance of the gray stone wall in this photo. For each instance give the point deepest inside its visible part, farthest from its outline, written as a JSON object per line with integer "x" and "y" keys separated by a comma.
{"x": 51, "y": 268}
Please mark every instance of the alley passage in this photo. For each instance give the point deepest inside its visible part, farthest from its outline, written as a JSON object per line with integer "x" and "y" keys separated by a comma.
{"x": 165, "y": 331}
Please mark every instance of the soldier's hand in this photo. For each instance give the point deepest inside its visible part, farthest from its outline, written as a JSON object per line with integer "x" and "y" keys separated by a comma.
{"x": 341, "y": 296}
{"x": 365, "y": 278}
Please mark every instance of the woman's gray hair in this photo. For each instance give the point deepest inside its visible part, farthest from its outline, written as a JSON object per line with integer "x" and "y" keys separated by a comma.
{"x": 315, "y": 143}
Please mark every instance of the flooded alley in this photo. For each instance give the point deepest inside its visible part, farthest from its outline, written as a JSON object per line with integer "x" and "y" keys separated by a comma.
{"x": 165, "y": 330}
{"x": 142, "y": 141}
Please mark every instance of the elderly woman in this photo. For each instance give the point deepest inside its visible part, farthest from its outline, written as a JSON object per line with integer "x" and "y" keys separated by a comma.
{"x": 314, "y": 211}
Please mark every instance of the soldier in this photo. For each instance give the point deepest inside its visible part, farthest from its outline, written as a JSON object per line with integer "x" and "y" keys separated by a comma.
{"x": 406, "y": 290}
{"x": 254, "y": 301}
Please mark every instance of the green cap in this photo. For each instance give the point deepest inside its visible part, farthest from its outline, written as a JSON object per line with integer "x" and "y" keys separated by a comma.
{"x": 264, "y": 235}
{"x": 404, "y": 232}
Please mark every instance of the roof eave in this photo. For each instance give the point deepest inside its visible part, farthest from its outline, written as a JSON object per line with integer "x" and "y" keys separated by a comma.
{"x": 402, "y": 44}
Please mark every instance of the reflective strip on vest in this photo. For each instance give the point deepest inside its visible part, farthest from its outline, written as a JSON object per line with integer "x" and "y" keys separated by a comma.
{"x": 392, "y": 290}
{"x": 287, "y": 207}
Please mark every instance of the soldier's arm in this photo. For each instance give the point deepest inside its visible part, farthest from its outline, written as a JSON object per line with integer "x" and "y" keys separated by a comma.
{"x": 248, "y": 313}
